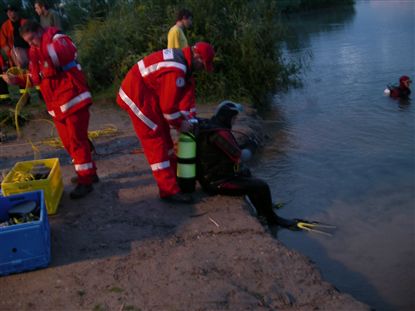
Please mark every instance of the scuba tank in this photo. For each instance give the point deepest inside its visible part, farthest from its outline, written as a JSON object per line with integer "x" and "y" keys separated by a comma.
{"x": 186, "y": 162}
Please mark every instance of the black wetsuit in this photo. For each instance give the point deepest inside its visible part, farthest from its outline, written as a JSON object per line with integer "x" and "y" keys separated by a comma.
{"x": 219, "y": 170}
{"x": 400, "y": 92}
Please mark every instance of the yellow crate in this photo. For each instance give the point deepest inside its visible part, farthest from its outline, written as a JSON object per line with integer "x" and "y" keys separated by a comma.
{"x": 52, "y": 185}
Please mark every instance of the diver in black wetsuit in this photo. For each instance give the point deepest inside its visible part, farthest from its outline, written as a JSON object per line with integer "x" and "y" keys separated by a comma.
{"x": 402, "y": 91}
{"x": 220, "y": 168}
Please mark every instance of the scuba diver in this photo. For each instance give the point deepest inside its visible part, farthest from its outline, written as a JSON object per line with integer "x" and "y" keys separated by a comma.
{"x": 402, "y": 91}
{"x": 220, "y": 167}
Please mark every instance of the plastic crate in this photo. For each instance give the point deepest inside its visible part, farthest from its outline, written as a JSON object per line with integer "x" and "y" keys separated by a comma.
{"x": 24, "y": 246}
{"x": 52, "y": 185}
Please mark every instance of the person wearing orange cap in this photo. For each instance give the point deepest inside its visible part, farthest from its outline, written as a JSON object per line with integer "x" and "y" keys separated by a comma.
{"x": 158, "y": 93}
{"x": 402, "y": 91}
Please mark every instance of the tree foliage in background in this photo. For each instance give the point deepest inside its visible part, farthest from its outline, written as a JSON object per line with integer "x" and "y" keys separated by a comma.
{"x": 112, "y": 35}
{"x": 109, "y": 47}
{"x": 245, "y": 35}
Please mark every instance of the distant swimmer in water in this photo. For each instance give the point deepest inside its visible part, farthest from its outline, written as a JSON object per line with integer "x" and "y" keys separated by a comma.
{"x": 402, "y": 91}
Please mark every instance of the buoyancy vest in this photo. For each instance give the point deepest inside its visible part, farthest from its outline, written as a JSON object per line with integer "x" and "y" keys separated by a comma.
{"x": 217, "y": 153}
{"x": 400, "y": 92}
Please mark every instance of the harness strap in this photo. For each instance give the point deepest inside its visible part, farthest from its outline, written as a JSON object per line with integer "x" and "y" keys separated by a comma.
{"x": 69, "y": 65}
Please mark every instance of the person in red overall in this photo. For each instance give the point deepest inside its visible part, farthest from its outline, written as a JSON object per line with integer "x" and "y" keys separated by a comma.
{"x": 53, "y": 66}
{"x": 158, "y": 93}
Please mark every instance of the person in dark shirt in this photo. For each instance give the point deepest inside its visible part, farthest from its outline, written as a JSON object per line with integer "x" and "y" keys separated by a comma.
{"x": 402, "y": 91}
{"x": 47, "y": 16}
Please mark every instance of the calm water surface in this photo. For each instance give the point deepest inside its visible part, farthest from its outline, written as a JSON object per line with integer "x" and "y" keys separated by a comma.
{"x": 343, "y": 153}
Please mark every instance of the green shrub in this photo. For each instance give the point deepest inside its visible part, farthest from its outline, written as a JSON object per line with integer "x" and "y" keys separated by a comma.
{"x": 245, "y": 34}
{"x": 108, "y": 48}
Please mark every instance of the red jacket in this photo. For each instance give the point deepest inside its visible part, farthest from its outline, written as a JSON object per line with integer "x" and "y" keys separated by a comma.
{"x": 167, "y": 74}
{"x": 53, "y": 66}
{"x": 7, "y": 35}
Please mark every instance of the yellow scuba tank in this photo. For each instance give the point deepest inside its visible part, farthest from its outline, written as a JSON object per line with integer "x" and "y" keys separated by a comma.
{"x": 186, "y": 162}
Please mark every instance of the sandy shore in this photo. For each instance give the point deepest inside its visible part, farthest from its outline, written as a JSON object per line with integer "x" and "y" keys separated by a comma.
{"x": 121, "y": 248}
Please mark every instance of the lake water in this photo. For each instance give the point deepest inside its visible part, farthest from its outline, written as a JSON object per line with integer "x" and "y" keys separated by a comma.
{"x": 343, "y": 153}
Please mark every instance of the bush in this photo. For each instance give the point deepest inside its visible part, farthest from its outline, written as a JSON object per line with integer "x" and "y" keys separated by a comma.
{"x": 108, "y": 48}
{"x": 245, "y": 35}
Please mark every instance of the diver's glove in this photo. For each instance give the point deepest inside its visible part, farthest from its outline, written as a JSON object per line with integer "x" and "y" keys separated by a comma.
{"x": 246, "y": 155}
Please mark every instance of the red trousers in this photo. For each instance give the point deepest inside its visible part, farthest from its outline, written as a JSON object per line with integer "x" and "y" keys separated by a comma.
{"x": 158, "y": 149}
{"x": 152, "y": 130}
{"x": 73, "y": 131}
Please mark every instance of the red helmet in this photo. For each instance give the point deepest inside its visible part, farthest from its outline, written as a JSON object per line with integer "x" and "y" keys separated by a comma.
{"x": 206, "y": 52}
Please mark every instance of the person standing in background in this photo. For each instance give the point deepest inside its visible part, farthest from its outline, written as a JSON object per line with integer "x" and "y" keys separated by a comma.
{"x": 13, "y": 47}
{"x": 47, "y": 16}
{"x": 176, "y": 38}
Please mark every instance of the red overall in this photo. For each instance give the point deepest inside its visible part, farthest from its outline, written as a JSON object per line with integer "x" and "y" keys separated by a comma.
{"x": 158, "y": 92}
{"x": 65, "y": 91}
{"x": 7, "y": 42}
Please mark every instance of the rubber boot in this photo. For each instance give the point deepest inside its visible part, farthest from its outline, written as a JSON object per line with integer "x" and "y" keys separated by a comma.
{"x": 80, "y": 191}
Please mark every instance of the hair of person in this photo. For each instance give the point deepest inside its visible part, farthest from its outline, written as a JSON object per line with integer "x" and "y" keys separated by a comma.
{"x": 29, "y": 26}
{"x": 42, "y": 4}
{"x": 183, "y": 13}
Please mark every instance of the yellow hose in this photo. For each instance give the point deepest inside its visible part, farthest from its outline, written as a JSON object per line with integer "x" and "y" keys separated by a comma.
{"x": 20, "y": 176}
{"x": 20, "y": 74}
{"x": 36, "y": 150}
{"x": 106, "y": 131}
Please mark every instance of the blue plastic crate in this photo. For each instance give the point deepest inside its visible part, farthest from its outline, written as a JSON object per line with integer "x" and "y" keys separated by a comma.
{"x": 24, "y": 246}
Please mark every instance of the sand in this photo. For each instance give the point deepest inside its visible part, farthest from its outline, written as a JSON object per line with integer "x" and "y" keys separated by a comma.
{"x": 122, "y": 248}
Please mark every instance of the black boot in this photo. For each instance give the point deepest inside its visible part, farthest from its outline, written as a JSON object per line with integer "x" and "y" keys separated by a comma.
{"x": 179, "y": 197}
{"x": 80, "y": 191}
{"x": 273, "y": 219}
{"x": 95, "y": 179}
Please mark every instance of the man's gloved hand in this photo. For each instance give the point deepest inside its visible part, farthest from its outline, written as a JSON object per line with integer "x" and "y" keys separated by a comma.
{"x": 9, "y": 78}
{"x": 251, "y": 145}
{"x": 244, "y": 171}
{"x": 188, "y": 125}
{"x": 246, "y": 155}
